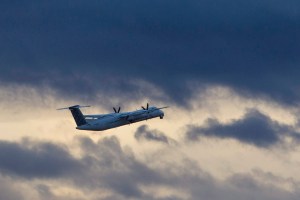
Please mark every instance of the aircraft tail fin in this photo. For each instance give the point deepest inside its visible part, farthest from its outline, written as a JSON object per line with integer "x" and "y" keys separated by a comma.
{"x": 77, "y": 114}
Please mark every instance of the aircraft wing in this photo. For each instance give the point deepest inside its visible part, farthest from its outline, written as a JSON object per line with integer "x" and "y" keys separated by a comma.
{"x": 129, "y": 115}
{"x": 124, "y": 116}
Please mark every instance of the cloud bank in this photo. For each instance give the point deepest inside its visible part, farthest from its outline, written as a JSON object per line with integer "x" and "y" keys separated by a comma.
{"x": 106, "y": 47}
{"x": 105, "y": 167}
{"x": 254, "y": 128}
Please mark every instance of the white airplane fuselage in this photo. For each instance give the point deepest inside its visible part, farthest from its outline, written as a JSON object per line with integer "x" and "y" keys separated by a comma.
{"x": 114, "y": 120}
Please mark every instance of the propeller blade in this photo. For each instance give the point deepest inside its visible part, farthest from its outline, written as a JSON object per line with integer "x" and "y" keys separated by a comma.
{"x": 147, "y": 107}
{"x": 117, "y": 111}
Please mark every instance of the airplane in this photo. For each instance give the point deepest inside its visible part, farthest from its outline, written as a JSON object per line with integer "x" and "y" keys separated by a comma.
{"x": 112, "y": 120}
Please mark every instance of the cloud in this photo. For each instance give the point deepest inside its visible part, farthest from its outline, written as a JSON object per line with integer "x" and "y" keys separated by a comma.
{"x": 103, "y": 165}
{"x": 9, "y": 190}
{"x": 254, "y": 128}
{"x": 35, "y": 160}
{"x": 144, "y": 133}
{"x": 102, "y": 47}
{"x": 250, "y": 188}
{"x": 113, "y": 172}
{"x": 108, "y": 166}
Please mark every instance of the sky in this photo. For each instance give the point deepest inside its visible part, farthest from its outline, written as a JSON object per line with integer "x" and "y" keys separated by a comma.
{"x": 227, "y": 69}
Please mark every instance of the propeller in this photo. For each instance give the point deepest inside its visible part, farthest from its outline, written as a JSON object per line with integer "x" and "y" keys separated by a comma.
{"x": 147, "y": 107}
{"x": 117, "y": 111}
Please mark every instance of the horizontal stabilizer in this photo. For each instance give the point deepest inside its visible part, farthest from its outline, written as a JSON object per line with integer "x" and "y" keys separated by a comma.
{"x": 162, "y": 108}
{"x": 77, "y": 114}
{"x": 72, "y": 107}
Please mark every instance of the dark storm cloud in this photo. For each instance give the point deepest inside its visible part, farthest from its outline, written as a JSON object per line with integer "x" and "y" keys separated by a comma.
{"x": 144, "y": 133}
{"x": 103, "y": 165}
{"x": 35, "y": 160}
{"x": 254, "y": 128}
{"x": 81, "y": 48}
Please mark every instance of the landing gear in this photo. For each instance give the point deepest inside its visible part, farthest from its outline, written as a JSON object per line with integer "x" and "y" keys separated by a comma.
{"x": 161, "y": 117}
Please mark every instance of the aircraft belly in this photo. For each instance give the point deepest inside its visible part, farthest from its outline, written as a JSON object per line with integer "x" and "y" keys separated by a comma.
{"x": 117, "y": 124}
{"x": 110, "y": 124}
{"x": 142, "y": 118}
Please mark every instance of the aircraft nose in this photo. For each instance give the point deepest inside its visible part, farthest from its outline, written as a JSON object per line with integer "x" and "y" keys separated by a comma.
{"x": 161, "y": 114}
